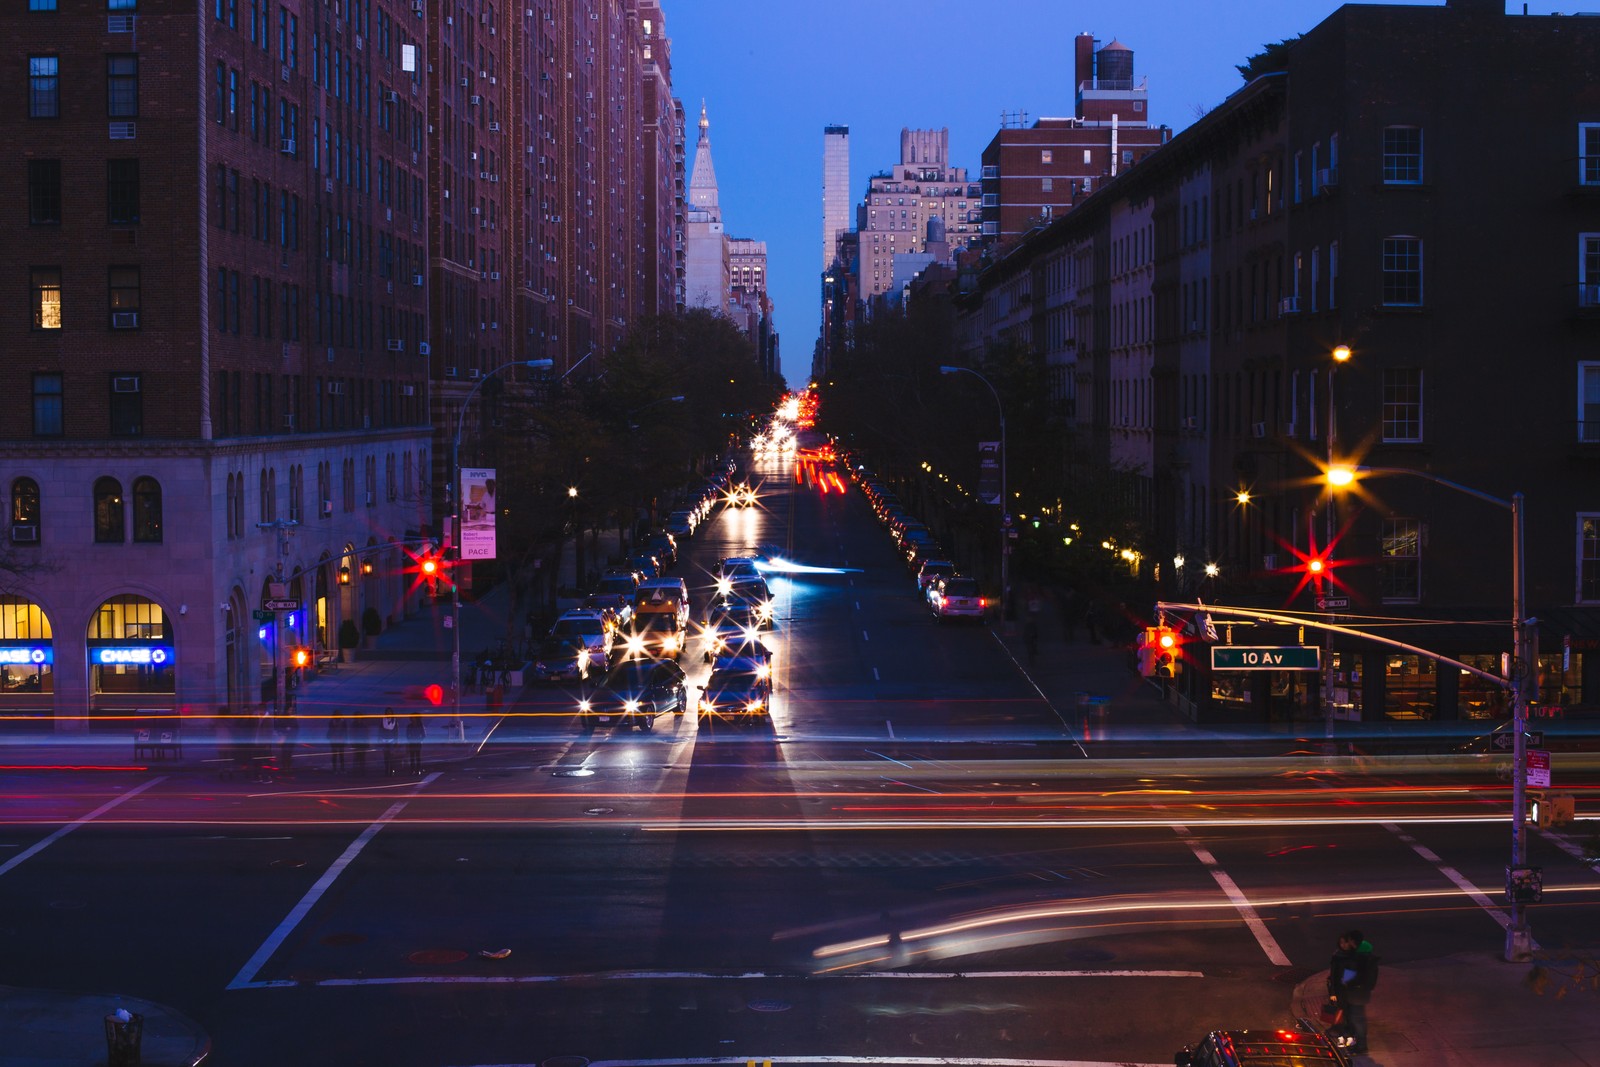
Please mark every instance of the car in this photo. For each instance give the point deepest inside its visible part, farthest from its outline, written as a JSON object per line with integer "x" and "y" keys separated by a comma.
{"x": 617, "y": 608}
{"x": 956, "y": 597}
{"x": 731, "y": 567}
{"x": 734, "y": 638}
{"x": 560, "y": 659}
{"x": 655, "y": 634}
{"x": 931, "y": 571}
{"x": 917, "y": 551}
{"x": 591, "y": 627}
{"x": 735, "y": 695}
{"x": 732, "y": 612}
{"x": 1301, "y": 1045}
{"x": 741, "y": 495}
{"x": 646, "y": 564}
{"x": 756, "y": 593}
{"x": 664, "y": 547}
{"x": 682, "y": 523}
{"x": 635, "y": 693}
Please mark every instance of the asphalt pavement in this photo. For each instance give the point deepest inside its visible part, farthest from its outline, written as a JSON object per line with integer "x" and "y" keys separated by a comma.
{"x": 1468, "y": 1009}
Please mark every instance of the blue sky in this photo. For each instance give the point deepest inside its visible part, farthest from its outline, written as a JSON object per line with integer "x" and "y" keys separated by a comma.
{"x": 773, "y": 74}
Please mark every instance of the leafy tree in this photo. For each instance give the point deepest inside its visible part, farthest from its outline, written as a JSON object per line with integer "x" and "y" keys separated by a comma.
{"x": 1271, "y": 59}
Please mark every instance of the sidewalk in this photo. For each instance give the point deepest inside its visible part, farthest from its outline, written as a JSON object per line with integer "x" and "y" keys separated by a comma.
{"x": 1470, "y": 1010}
{"x": 44, "y": 1028}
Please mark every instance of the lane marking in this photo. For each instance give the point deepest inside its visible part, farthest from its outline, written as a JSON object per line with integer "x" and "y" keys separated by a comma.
{"x": 245, "y": 979}
{"x": 1476, "y": 895}
{"x": 858, "y": 605}
{"x": 890, "y": 726}
{"x": 705, "y": 976}
{"x": 875, "y": 677}
{"x": 864, "y": 636}
{"x": 897, "y": 1061}
{"x": 1231, "y": 890}
{"x": 74, "y": 824}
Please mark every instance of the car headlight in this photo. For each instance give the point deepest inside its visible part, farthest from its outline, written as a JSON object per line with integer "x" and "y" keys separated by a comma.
{"x": 724, "y": 587}
{"x": 583, "y": 705}
{"x": 669, "y": 643}
{"x": 754, "y": 705}
{"x": 764, "y": 671}
{"x": 630, "y": 705}
{"x": 635, "y": 644}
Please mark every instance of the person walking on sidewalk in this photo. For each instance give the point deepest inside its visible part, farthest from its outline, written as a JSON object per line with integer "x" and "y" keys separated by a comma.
{"x": 1352, "y": 975}
{"x": 338, "y": 737}
{"x": 388, "y": 739}
{"x": 414, "y": 734}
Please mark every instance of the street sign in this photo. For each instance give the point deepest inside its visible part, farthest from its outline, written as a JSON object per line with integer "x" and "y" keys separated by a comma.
{"x": 1539, "y": 768}
{"x": 1266, "y": 658}
{"x": 262, "y": 616}
{"x": 1326, "y": 602}
{"x": 285, "y": 604}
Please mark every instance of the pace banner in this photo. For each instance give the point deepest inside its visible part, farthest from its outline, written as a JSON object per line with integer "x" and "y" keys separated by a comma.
{"x": 477, "y": 513}
{"x": 989, "y": 472}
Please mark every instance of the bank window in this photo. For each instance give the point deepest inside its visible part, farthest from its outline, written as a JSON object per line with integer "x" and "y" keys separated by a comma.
{"x": 1400, "y": 561}
{"x": 44, "y": 87}
{"x": 129, "y": 648}
{"x": 1402, "y": 404}
{"x": 1402, "y": 155}
{"x": 1589, "y": 558}
{"x": 44, "y": 192}
{"x": 45, "y": 283}
{"x": 109, "y": 526}
{"x": 23, "y": 628}
{"x": 47, "y": 413}
{"x": 147, "y": 511}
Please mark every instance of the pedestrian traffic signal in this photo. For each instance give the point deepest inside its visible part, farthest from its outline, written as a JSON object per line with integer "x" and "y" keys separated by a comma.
{"x": 302, "y": 657}
{"x": 1551, "y": 809}
{"x": 1158, "y": 652}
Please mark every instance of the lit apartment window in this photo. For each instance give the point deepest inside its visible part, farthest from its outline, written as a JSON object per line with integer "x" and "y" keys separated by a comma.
{"x": 1402, "y": 271}
{"x": 1402, "y": 155}
{"x": 46, "y": 297}
{"x": 1046, "y": 156}
{"x": 1402, "y": 404}
{"x": 44, "y": 87}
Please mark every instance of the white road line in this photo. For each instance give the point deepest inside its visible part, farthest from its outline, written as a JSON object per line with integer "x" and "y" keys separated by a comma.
{"x": 74, "y": 824}
{"x": 858, "y": 605}
{"x": 1477, "y": 896}
{"x": 1240, "y": 902}
{"x": 864, "y": 636}
{"x": 245, "y": 979}
{"x": 875, "y": 677}
{"x": 890, "y": 726}
{"x": 701, "y": 976}
{"x": 1575, "y": 851}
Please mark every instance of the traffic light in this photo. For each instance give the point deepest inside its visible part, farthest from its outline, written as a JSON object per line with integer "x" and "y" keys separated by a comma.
{"x": 1551, "y": 809}
{"x": 1158, "y": 652}
{"x": 302, "y": 657}
{"x": 1539, "y": 810}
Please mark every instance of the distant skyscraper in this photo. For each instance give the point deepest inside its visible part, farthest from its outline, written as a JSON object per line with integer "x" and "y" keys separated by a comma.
{"x": 706, "y": 241}
{"x": 893, "y": 219}
{"x": 835, "y": 188}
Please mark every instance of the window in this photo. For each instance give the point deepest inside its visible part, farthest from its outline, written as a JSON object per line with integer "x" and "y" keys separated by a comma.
{"x": 44, "y": 87}
{"x": 1589, "y": 402}
{"x": 122, "y": 5}
{"x": 1589, "y": 270}
{"x": 1402, "y": 404}
{"x": 1333, "y": 275}
{"x": 25, "y": 509}
{"x": 1402, "y": 155}
{"x": 1402, "y": 271}
{"x": 46, "y": 297}
{"x": 127, "y": 405}
{"x": 44, "y": 192}
{"x": 122, "y": 192}
{"x": 41, "y": 5}
{"x": 108, "y": 520}
{"x": 47, "y": 413}
{"x": 146, "y": 511}
{"x": 1046, "y": 156}
{"x": 1588, "y": 558}
{"x": 122, "y": 86}
{"x": 1297, "y": 156}
{"x": 1589, "y": 153}
{"x": 1400, "y": 560}
{"x": 123, "y": 290}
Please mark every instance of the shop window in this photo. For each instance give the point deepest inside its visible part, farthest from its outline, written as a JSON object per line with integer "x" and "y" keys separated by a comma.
{"x": 130, "y": 650}
{"x": 1411, "y": 687}
{"x": 25, "y": 649}
{"x": 1344, "y": 688}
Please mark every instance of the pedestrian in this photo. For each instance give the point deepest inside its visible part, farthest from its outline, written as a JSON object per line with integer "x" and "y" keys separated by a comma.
{"x": 388, "y": 738}
{"x": 359, "y": 727}
{"x": 414, "y": 732}
{"x": 338, "y": 737}
{"x": 1352, "y": 975}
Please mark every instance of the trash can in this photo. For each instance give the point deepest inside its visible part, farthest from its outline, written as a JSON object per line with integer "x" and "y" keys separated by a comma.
{"x": 122, "y": 1038}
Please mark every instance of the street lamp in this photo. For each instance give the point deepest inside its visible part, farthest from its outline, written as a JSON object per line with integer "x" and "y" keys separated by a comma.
{"x": 1005, "y": 501}
{"x": 453, "y": 497}
{"x": 1341, "y": 356}
{"x": 1519, "y": 940}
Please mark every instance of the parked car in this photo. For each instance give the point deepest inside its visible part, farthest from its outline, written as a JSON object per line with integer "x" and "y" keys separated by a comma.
{"x": 931, "y": 571}
{"x": 635, "y": 693}
{"x": 956, "y": 597}
{"x": 664, "y": 547}
{"x": 592, "y": 628}
{"x": 682, "y": 523}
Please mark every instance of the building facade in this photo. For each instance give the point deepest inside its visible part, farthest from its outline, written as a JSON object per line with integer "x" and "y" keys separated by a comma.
{"x": 835, "y": 189}
{"x": 893, "y": 216}
{"x": 708, "y": 278}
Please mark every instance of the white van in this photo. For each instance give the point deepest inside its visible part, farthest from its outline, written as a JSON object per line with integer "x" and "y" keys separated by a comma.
{"x": 663, "y": 595}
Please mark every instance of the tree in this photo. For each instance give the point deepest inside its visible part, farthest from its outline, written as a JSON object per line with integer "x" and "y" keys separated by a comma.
{"x": 1270, "y": 60}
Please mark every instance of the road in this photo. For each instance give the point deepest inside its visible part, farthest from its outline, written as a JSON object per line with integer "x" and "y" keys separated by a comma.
{"x": 922, "y": 856}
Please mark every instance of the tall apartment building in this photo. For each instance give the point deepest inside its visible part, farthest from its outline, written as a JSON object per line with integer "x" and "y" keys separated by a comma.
{"x": 1034, "y": 173}
{"x": 893, "y": 217}
{"x": 750, "y": 304}
{"x": 214, "y": 394}
{"x": 835, "y": 189}
{"x": 662, "y": 141}
{"x": 1195, "y": 304}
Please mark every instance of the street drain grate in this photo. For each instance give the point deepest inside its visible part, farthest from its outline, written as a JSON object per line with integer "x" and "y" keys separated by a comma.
{"x": 437, "y": 955}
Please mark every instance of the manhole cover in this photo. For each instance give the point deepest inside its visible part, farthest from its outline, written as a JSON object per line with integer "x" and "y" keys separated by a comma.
{"x": 1090, "y": 955}
{"x": 437, "y": 955}
{"x": 768, "y": 1005}
{"x": 288, "y": 864}
{"x": 599, "y": 811}
{"x": 344, "y": 939}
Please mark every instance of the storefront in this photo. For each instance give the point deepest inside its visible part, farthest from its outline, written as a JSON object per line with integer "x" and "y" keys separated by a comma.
{"x": 27, "y": 659}
{"x": 131, "y": 658}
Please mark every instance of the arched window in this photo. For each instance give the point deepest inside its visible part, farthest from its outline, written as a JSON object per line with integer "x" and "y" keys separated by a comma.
{"x": 108, "y": 512}
{"x": 24, "y": 510}
{"x": 147, "y": 511}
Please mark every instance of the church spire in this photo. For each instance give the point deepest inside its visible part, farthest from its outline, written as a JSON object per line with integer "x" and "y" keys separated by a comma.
{"x": 703, "y": 183}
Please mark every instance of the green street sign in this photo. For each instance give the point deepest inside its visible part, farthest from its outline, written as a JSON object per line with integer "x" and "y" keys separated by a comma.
{"x": 1266, "y": 658}
{"x": 262, "y": 616}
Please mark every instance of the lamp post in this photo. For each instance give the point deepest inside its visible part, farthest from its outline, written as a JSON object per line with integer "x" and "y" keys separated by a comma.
{"x": 1519, "y": 940}
{"x": 453, "y": 498}
{"x": 1005, "y": 500}
{"x": 1341, "y": 355}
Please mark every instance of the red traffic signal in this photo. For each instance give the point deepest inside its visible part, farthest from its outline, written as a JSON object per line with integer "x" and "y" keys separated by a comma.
{"x": 1158, "y": 651}
{"x": 434, "y": 694}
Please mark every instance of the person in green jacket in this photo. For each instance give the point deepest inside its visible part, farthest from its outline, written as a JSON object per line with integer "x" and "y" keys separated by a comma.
{"x": 1352, "y": 975}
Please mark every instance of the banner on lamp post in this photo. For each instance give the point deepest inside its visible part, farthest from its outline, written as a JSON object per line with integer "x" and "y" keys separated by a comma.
{"x": 989, "y": 472}
{"x": 477, "y": 513}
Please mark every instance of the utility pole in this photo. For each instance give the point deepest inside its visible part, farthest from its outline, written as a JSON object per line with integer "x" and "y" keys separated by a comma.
{"x": 279, "y": 592}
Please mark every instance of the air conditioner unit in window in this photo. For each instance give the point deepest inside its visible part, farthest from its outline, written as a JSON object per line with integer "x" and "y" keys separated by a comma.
{"x": 123, "y": 131}
{"x": 450, "y": 372}
{"x": 125, "y": 384}
{"x": 286, "y": 146}
{"x": 474, "y": 99}
{"x": 408, "y": 390}
{"x": 1190, "y": 422}
{"x": 416, "y": 279}
{"x": 391, "y": 96}
{"x": 424, "y": 349}
{"x": 494, "y": 127}
{"x": 24, "y": 533}
{"x": 124, "y": 320}
{"x": 119, "y": 23}
{"x": 395, "y": 344}
{"x": 494, "y": 276}
{"x": 1289, "y": 305}
{"x": 327, "y": 508}
{"x": 1328, "y": 177}
{"x": 335, "y": 388}
{"x": 1258, "y": 429}
{"x": 473, "y": 373}
{"x": 288, "y": 422}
